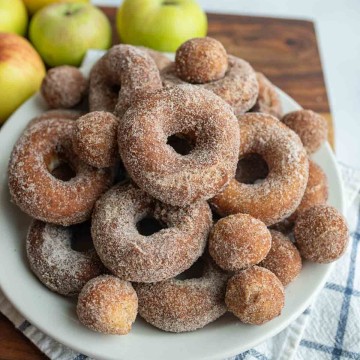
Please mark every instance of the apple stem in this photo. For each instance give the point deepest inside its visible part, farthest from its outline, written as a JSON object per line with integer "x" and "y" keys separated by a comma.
{"x": 170, "y": 2}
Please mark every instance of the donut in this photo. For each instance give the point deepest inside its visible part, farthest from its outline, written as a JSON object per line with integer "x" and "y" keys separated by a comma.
{"x": 255, "y": 295}
{"x": 156, "y": 167}
{"x": 55, "y": 263}
{"x": 64, "y": 87}
{"x": 123, "y": 73}
{"x": 159, "y": 58}
{"x": 238, "y": 87}
{"x": 321, "y": 234}
{"x": 268, "y": 100}
{"x": 108, "y": 305}
{"x": 39, "y": 151}
{"x": 279, "y": 194}
{"x": 283, "y": 259}
{"x": 239, "y": 241}
{"x": 184, "y": 303}
{"x": 138, "y": 253}
{"x": 310, "y": 126}
{"x": 55, "y": 114}
{"x": 316, "y": 193}
{"x": 201, "y": 60}
{"x": 95, "y": 139}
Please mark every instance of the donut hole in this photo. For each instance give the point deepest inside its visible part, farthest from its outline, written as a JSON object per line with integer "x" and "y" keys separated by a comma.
{"x": 115, "y": 88}
{"x": 81, "y": 240}
{"x": 251, "y": 168}
{"x": 195, "y": 271}
{"x": 148, "y": 226}
{"x": 59, "y": 167}
{"x": 180, "y": 143}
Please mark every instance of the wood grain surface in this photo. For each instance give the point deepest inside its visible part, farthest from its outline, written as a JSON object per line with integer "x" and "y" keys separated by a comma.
{"x": 284, "y": 50}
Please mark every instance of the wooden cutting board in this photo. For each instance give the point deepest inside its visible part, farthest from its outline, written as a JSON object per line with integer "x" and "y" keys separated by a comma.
{"x": 284, "y": 50}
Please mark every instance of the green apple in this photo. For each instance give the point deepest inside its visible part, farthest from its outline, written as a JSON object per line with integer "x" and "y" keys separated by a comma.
{"x": 34, "y": 5}
{"x": 63, "y": 32}
{"x": 21, "y": 72}
{"x": 160, "y": 24}
{"x": 13, "y": 17}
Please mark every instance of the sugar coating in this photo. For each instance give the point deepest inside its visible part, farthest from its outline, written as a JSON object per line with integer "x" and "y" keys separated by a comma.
{"x": 310, "y": 126}
{"x": 108, "y": 305}
{"x": 55, "y": 263}
{"x": 37, "y": 192}
{"x": 239, "y": 87}
{"x": 255, "y": 295}
{"x": 316, "y": 193}
{"x": 95, "y": 139}
{"x": 283, "y": 259}
{"x": 279, "y": 194}
{"x": 201, "y": 60}
{"x": 321, "y": 234}
{"x": 56, "y": 114}
{"x": 156, "y": 167}
{"x": 184, "y": 305}
{"x": 121, "y": 75}
{"x": 64, "y": 87}
{"x": 159, "y": 58}
{"x": 135, "y": 257}
{"x": 268, "y": 100}
{"x": 239, "y": 241}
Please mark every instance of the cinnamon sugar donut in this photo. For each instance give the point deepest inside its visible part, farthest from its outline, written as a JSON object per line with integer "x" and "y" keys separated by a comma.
{"x": 64, "y": 87}
{"x": 134, "y": 254}
{"x": 179, "y": 305}
{"x": 159, "y": 58}
{"x": 283, "y": 259}
{"x": 201, "y": 60}
{"x": 321, "y": 234}
{"x": 310, "y": 126}
{"x": 239, "y": 241}
{"x": 41, "y": 149}
{"x": 238, "y": 87}
{"x": 255, "y": 295}
{"x": 156, "y": 167}
{"x": 55, "y": 263}
{"x": 123, "y": 73}
{"x": 268, "y": 100}
{"x": 56, "y": 114}
{"x": 95, "y": 139}
{"x": 108, "y": 305}
{"x": 280, "y": 193}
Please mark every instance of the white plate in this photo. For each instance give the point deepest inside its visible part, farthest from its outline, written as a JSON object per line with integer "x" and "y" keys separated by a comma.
{"x": 55, "y": 315}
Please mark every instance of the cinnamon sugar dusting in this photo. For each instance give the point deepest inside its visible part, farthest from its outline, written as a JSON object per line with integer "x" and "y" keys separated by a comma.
{"x": 135, "y": 257}
{"x": 156, "y": 167}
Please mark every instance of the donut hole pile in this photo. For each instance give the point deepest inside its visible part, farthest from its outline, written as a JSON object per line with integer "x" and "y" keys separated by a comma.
{"x": 175, "y": 194}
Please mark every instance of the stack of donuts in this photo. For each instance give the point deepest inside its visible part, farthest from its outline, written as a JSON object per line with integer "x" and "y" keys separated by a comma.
{"x": 176, "y": 190}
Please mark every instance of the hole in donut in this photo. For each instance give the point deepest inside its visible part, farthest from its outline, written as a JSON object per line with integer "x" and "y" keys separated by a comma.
{"x": 81, "y": 237}
{"x": 251, "y": 168}
{"x": 149, "y": 226}
{"x": 115, "y": 88}
{"x": 180, "y": 143}
{"x": 194, "y": 272}
{"x": 60, "y": 168}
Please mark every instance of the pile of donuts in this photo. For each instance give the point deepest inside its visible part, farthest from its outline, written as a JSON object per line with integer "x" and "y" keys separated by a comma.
{"x": 176, "y": 190}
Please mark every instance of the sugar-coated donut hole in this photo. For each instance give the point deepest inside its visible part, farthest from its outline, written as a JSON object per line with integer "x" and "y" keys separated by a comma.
{"x": 196, "y": 271}
{"x": 201, "y": 60}
{"x": 149, "y": 225}
{"x": 59, "y": 166}
{"x": 251, "y": 168}
{"x": 181, "y": 144}
{"x": 81, "y": 237}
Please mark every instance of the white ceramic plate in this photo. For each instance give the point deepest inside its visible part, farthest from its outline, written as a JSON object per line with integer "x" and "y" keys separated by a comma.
{"x": 55, "y": 315}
